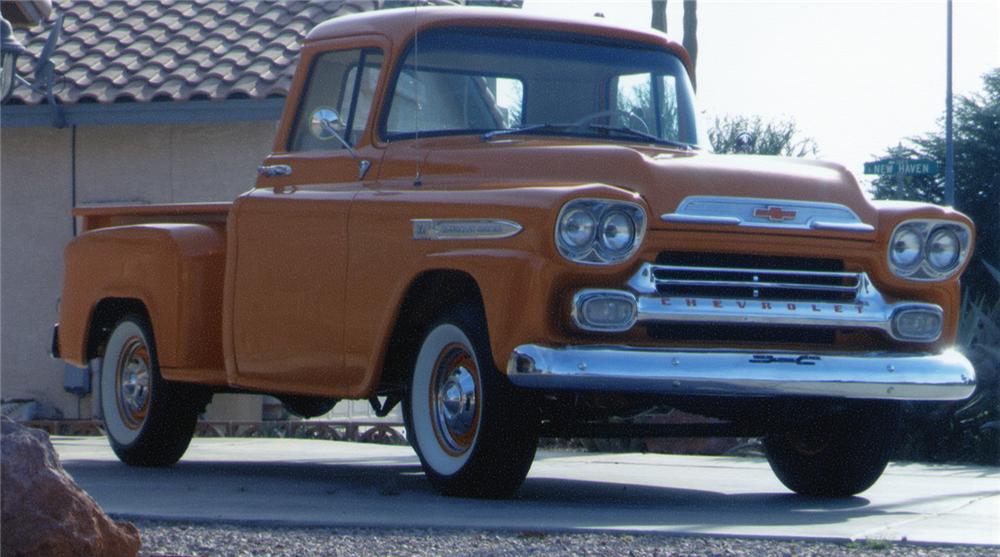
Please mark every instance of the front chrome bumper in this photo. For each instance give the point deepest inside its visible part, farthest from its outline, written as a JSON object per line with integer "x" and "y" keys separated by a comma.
{"x": 877, "y": 376}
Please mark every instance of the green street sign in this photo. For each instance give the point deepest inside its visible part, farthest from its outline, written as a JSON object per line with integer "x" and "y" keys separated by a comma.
{"x": 902, "y": 167}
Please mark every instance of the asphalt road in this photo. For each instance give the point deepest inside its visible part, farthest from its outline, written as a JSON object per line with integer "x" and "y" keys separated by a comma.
{"x": 305, "y": 482}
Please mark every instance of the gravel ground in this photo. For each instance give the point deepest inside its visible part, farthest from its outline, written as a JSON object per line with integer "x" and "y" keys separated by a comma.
{"x": 173, "y": 539}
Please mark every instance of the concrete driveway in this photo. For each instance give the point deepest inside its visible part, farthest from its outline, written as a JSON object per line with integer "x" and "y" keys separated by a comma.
{"x": 326, "y": 483}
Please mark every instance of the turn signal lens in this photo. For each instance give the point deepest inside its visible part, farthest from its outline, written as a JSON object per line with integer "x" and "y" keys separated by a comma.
{"x": 920, "y": 324}
{"x": 604, "y": 310}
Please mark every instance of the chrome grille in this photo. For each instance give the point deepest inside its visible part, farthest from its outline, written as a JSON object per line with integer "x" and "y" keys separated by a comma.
{"x": 754, "y": 283}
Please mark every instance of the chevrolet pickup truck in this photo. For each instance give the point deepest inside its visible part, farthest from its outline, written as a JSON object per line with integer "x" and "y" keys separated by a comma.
{"x": 514, "y": 226}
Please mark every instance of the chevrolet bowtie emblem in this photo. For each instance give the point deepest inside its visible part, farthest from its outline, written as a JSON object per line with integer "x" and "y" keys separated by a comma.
{"x": 774, "y": 213}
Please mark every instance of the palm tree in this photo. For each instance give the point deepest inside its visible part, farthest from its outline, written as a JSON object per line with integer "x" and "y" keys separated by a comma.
{"x": 691, "y": 36}
{"x": 659, "y": 15}
{"x": 659, "y": 21}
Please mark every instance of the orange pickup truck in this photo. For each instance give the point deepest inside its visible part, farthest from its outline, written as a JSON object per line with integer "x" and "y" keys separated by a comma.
{"x": 514, "y": 226}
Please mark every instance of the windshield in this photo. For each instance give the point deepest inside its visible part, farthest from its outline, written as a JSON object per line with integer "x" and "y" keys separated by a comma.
{"x": 460, "y": 81}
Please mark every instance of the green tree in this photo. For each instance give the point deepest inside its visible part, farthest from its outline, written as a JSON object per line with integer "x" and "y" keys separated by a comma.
{"x": 754, "y": 135}
{"x": 977, "y": 170}
{"x": 963, "y": 431}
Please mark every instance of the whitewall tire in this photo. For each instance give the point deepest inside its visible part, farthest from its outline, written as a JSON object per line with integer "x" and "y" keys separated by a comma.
{"x": 474, "y": 432}
{"x": 149, "y": 421}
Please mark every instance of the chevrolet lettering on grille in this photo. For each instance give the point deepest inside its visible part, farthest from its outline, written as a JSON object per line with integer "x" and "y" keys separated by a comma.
{"x": 753, "y": 305}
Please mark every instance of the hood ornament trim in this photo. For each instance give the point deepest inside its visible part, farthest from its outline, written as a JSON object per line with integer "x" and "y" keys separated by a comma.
{"x": 766, "y": 213}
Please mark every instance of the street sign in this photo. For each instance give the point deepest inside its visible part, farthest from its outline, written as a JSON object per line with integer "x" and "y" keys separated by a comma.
{"x": 902, "y": 167}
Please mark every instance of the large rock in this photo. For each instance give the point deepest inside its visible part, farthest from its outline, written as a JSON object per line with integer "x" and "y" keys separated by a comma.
{"x": 44, "y": 512}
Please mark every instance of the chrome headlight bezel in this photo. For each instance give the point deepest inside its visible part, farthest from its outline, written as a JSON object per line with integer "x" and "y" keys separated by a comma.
{"x": 599, "y": 251}
{"x": 926, "y": 230}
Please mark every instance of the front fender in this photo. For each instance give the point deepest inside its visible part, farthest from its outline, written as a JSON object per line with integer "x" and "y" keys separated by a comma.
{"x": 519, "y": 276}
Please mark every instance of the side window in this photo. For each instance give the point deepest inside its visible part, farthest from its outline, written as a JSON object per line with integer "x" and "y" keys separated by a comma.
{"x": 649, "y": 103}
{"x": 341, "y": 84}
{"x": 508, "y": 94}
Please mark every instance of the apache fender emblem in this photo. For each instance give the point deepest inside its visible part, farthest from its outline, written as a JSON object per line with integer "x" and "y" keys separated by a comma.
{"x": 464, "y": 229}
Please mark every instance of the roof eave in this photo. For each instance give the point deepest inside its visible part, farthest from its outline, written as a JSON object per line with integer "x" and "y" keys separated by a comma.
{"x": 186, "y": 112}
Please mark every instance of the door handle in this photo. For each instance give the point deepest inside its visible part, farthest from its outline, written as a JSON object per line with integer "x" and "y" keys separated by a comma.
{"x": 274, "y": 170}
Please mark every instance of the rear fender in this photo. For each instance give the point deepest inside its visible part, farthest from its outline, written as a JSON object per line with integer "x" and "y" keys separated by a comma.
{"x": 175, "y": 271}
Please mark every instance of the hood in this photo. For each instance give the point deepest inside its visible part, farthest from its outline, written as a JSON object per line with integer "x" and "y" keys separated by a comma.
{"x": 663, "y": 178}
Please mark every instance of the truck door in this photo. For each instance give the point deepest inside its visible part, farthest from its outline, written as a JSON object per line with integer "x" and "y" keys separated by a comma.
{"x": 290, "y": 263}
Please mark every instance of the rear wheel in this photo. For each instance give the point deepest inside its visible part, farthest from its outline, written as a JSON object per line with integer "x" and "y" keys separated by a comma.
{"x": 475, "y": 434}
{"x": 149, "y": 421}
{"x": 838, "y": 456}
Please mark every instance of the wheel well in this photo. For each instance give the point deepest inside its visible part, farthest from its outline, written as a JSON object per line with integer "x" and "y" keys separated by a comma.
{"x": 105, "y": 316}
{"x": 428, "y": 297}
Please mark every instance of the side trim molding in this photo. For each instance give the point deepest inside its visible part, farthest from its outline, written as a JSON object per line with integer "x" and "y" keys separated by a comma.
{"x": 464, "y": 229}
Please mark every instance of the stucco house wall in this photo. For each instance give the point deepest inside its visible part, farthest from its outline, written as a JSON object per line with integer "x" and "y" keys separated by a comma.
{"x": 43, "y": 170}
{"x": 35, "y": 200}
{"x": 169, "y": 163}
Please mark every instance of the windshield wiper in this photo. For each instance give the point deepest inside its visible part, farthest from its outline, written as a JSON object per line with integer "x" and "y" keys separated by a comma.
{"x": 537, "y": 128}
{"x": 553, "y": 128}
{"x": 623, "y": 130}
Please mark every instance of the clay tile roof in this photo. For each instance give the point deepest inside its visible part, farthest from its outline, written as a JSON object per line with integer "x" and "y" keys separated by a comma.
{"x": 178, "y": 50}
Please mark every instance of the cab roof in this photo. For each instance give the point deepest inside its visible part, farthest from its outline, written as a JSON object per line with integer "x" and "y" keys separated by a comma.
{"x": 400, "y": 24}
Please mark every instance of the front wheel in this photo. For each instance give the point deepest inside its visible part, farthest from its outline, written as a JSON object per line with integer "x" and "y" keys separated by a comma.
{"x": 149, "y": 420}
{"x": 474, "y": 435}
{"x": 838, "y": 456}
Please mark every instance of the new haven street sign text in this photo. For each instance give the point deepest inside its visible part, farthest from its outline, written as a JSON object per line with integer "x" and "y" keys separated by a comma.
{"x": 902, "y": 167}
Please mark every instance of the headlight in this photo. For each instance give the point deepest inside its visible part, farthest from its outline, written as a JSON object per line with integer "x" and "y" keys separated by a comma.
{"x": 599, "y": 231}
{"x": 928, "y": 249}
{"x": 906, "y": 249}
{"x": 576, "y": 228}
{"x": 943, "y": 248}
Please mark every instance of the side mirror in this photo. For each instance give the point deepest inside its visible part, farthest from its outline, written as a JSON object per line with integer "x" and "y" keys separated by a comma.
{"x": 323, "y": 125}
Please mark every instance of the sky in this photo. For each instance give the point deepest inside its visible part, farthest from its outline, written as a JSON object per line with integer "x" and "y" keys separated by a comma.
{"x": 856, "y": 76}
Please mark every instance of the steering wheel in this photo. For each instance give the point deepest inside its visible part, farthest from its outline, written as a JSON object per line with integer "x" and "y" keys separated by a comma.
{"x": 625, "y": 116}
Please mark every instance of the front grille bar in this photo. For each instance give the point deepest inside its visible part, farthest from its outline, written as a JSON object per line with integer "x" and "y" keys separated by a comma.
{"x": 859, "y": 304}
{"x": 758, "y": 284}
{"x": 712, "y": 280}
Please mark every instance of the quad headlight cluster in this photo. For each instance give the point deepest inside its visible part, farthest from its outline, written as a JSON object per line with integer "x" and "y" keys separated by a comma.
{"x": 928, "y": 249}
{"x": 600, "y": 231}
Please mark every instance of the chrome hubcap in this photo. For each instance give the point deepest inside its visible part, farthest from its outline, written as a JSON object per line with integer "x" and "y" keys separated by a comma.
{"x": 456, "y": 410}
{"x": 133, "y": 379}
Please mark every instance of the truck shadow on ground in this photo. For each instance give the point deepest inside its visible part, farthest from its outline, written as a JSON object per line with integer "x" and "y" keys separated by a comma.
{"x": 395, "y": 491}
